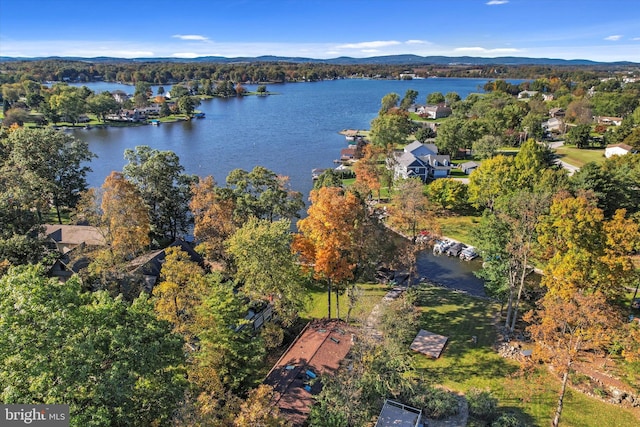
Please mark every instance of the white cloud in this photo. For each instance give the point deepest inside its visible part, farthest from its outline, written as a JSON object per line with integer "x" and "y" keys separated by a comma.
{"x": 636, "y": 39}
{"x": 368, "y": 45}
{"x": 613, "y": 38}
{"x": 417, "y": 42}
{"x": 186, "y": 55}
{"x": 482, "y": 50}
{"x": 496, "y": 2}
{"x": 191, "y": 37}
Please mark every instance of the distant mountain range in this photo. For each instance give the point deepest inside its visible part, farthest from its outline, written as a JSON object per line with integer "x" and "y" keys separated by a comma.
{"x": 344, "y": 60}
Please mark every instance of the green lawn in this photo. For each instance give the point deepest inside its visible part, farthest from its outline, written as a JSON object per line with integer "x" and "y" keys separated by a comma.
{"x": 580, "y": 156}
{"x": 370, "y": 295}
{"x": 459, "y": 227}
{"x": 463, "y": 365}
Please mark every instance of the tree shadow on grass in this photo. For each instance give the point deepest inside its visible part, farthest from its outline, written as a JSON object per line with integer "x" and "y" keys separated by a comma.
{"x": 468, "y": 323}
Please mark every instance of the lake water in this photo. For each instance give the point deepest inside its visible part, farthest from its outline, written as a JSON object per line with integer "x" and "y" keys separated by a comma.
{"x": 291, "y": 132}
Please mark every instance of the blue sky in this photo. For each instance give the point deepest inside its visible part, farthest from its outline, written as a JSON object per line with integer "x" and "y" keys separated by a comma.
{"x": 568, "y": 29}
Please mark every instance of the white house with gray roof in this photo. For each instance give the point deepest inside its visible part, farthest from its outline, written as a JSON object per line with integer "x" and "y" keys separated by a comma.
{"x": 422, "y": 161}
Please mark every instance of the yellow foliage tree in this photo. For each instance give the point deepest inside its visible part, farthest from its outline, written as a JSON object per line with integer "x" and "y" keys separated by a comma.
{"x": 180, "y": 291}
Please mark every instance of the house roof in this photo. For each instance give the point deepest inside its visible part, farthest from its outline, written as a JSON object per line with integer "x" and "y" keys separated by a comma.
{"x": 621, "y": 145}
{"x": 75, "y": 234}
{"x": 417, "y": 148}
{"x": 407, "y": 159}
{"x": 441, "y": 161}
{"x": 467, "y": 165}
{"x": 319, "y": 349}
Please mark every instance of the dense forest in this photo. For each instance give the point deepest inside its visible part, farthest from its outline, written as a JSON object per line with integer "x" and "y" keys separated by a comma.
{"x": 276, "y": 72}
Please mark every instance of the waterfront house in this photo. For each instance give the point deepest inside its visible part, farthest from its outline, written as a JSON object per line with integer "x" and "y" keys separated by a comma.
{"x": 435, "y": 111}
{"x": 527, "y": 94}
{"x": 120, "y": 96}
{"x": 618, "y": 150}
{"x": 421, "y": 161}
{"x": 73, "y": 242}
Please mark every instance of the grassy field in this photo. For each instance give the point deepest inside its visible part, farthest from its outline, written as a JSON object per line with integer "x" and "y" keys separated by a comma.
{"x": 579, "y": 157}
{"x": 459, "y": 227}
{"x": 370, "y": 295}
{"x": 531, "y": 396}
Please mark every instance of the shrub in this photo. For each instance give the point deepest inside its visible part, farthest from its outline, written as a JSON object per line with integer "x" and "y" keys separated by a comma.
{"x": 507, "y": 420}
{"x": 482, "y": 404}
{"x": 435, "y": 403}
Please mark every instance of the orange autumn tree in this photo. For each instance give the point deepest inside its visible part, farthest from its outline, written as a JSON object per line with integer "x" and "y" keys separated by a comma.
{"x": 326, "y": 240}
{"x": 125, "y": 216}
{"x": 212, "y": 215}
{"x": 368, "y": 170}
{"x": 565, "y": 329}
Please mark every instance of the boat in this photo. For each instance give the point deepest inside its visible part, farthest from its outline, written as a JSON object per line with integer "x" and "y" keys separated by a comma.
{"x": 468, "y": 253}
{"x": 455, "y": 249}
{"x": 199, "y": 115}
{"x": 155, "y": 122}
{"x": 442, "y": 246}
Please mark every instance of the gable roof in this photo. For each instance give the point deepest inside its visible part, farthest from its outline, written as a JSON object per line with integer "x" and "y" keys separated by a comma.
{"x": 69, "y": 236}
{"x": 418, "y": 149}
{"x": 318, "y": 350}
{"x": 408, "y": 159}
{"x": 621, "y": 145}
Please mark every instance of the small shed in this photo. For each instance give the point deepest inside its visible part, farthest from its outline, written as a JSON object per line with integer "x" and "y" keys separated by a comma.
{"x": 468, "y": 167}
{"x": 429, "y": 343}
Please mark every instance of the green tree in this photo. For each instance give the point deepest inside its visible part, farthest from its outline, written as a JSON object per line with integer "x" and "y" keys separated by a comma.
{"x": 68, "y": 103}
{"x": 487, "y": 146}
{"x": 228, "y": 346}
{"x": 15, "y": 116}
{"x": 409, "y": 99}
{"x": 453, "y": 135}
{"x": 328, "y": 178}
{"x": 452, "y": 97}
{"x": 275, "y": 278}
{"x": 448, "y": 193}
{"x": 579, "y": 135}
{"x": 425, "y": 133}
{"x": 490, "y": 181}
{"x": 187, "y": 104}
{"x": 388, "y": 102}
{"x": 435, "y": 98}
{"x": 50, "y": 166}
{"x": 263, "y": 194}
{"x": 159, "y": 177}
{"x": 391, "y": 128}
{"x": 111, "y": 362}
{"x": 102, "y": 104}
